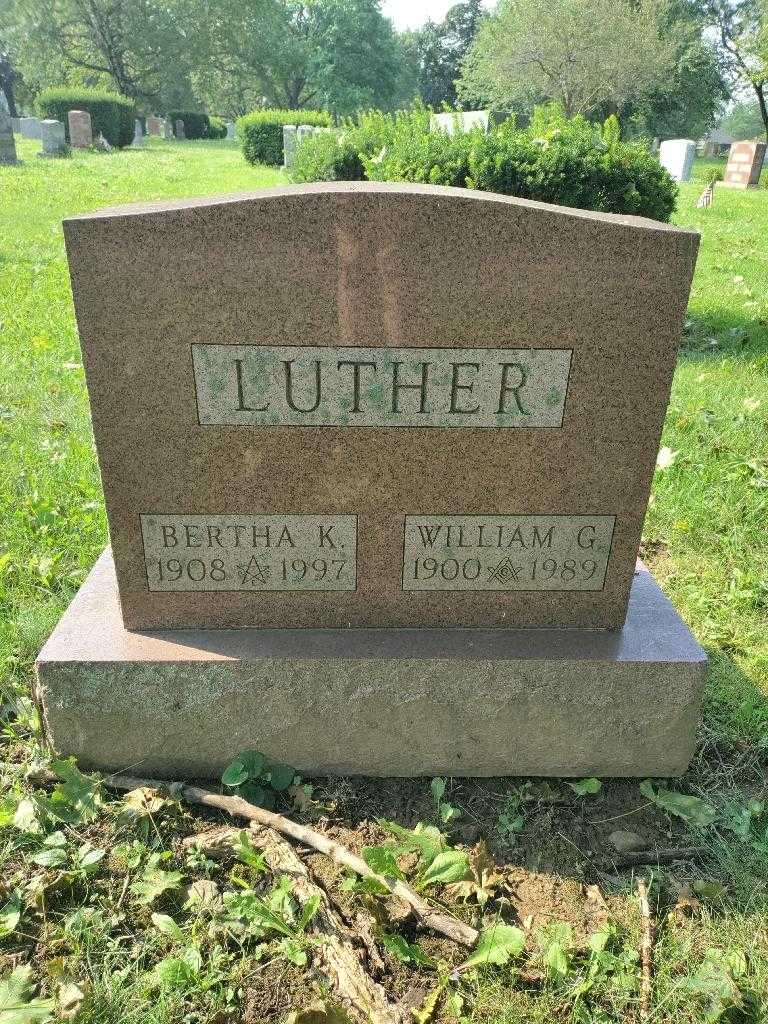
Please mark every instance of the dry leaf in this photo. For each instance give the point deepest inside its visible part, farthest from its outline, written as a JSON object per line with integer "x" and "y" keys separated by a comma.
{"x": 665, "y": 458}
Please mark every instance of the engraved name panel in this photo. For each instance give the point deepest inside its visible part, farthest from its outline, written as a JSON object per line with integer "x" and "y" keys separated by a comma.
{"x": 506, "y": 552}
{"x": 250, "y": 552}
{"x": 346, "y": 386}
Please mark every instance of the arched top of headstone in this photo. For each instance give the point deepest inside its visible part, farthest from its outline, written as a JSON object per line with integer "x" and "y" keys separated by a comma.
{"x": 401, "y": 359}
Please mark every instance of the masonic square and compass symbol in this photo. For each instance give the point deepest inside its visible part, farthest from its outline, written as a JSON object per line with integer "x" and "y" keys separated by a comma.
{"x": 504, "y": 572}
{"x": 254, "y": 573}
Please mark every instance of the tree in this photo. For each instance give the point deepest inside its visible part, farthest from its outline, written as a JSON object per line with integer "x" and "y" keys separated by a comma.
{"x": 688, "y": 103}
{"x": 442, "y": 47}
{"x": 581, "y": 55}
{"x": 741, "y": 28}
{"x": 743, "y": 121}
{"x": 340, "y": 54}
{"x": 133, "y": 47}
{"x": 9, "y": 78}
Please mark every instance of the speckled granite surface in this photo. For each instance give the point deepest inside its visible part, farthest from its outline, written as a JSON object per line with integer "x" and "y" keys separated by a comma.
{"x": 374, "y": 702}
{"x": 377, "y": 266}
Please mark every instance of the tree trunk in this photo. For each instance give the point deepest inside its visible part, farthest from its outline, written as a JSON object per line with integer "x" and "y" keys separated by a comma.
{"x": 763, "y": 104}
{"x": 7, "y": 76}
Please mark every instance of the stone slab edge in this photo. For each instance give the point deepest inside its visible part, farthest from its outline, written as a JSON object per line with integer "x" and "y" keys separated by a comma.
{"x": 381, "y": 702}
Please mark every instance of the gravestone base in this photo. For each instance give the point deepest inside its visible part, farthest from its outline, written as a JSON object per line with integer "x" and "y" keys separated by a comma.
{"x": 382, "y": 702}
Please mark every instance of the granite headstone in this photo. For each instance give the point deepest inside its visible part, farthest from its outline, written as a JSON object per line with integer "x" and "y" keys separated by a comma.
{"x": 305, "y": 431}
{"x": 80, "y": 131}
{"x": 745, "y": 164}
{"x": 7, "y": 143}
{"x": 53, "y": 138}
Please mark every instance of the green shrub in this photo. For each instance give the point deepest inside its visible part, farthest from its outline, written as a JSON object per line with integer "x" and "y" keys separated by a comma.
{"x": 196, "y": 125}
{"x": 262, "y": 132}
{"x": 111, "y": 115}
{"x": 571, "y": 162}
{"x": 328, "y": 156}
{"x": 217, "y": 128}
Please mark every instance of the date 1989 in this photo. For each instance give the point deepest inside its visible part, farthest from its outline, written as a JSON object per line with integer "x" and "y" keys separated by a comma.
{"x": 538, "y": 573}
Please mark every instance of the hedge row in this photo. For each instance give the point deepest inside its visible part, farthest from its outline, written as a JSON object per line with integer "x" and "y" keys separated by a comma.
{"x": 112, "y": 115}
{"x": 261, "y": 132}
{"x": 197, "y": 125}
{"x": 554, "y": 160}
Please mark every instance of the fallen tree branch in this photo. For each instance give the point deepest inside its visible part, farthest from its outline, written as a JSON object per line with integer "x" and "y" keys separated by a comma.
{"x": 334, "y": 951}
{"x": 436, "y": 920}
{"x": 666, "y": 856}
{"x": 646, "y": 949}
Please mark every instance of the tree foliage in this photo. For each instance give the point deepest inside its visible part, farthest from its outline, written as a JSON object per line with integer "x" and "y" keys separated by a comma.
{"x": 741, "y": 30}
{"x": 580, "y": 55}
{"x": 441, "y": 48}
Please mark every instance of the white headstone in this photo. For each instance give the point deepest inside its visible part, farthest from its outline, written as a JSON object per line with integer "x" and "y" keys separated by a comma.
{"x": 230, "y": 130}
{"x": 53, "y": 138}
{"x": 167, "y": 129}
{"x": 289, "y": 145}
{"x": 138, "y": 133}
{"x": 30, "y": 128}
{"x": 464, "y": 120}
{"x": 676, "y": 156}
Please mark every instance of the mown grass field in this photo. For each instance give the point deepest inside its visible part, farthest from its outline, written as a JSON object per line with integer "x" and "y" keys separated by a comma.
{"x": 82, "y": 885}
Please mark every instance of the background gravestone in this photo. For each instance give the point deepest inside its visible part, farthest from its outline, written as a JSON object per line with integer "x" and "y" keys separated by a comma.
{"x": 230, "y": 131}
{"x": 745, "y": 163}
{"x": 154, "y": 126}
{"x": 30, "y": 128}
{"x": 289, "y": 145}
{"x": 138, "y": 133}
{"x": 465, "y": 120}
{"x": 80, "y": 131}
{"x": 167, "y": 129}
{"x": 326, "y": 438}
{"x": 180, "y": 129}
{"x": 676, "y": 156}
{"x": 7, "y": 144}
{"x": 53, "y": 139}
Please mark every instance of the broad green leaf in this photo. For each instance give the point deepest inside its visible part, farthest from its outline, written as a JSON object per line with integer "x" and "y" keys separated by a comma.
{"x": 155, "y": 881}
{"x": 311, "y": 907}
{"x": 585, "y": 787}
{"x": 427, "y": 840}
{"x": 281, "y": 776}
{"x": 10, "y": 915}
{"x": 53, "y": 857}
{"x": 235, "y": 774}
{"x": 556, "y": 960}
{"x": 87, "y": 858}
{"x": 438, "y": 788}
{"x": 167, "y": 926}
{"x": 689, "y": 808}
{"x": 405, "y": 951}
{"x": 17, "y": 1006}
{"x": 293, "y": 951}
{"x": 247, "y": 906}
{"x": 258, "y": 795}
{"x": 77, "y": 797}
{"x": 449, "y": 866}
{"x": 497, "y": 944}
{"x": 382, "y": 860}
{"x": 448, "y": 812}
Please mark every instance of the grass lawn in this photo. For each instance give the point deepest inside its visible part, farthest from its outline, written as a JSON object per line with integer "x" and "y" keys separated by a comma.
{"x": 96, "y": 898}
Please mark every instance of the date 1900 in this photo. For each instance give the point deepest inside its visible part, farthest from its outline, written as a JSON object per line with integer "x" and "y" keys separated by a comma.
{"x": 470, "y": 569}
